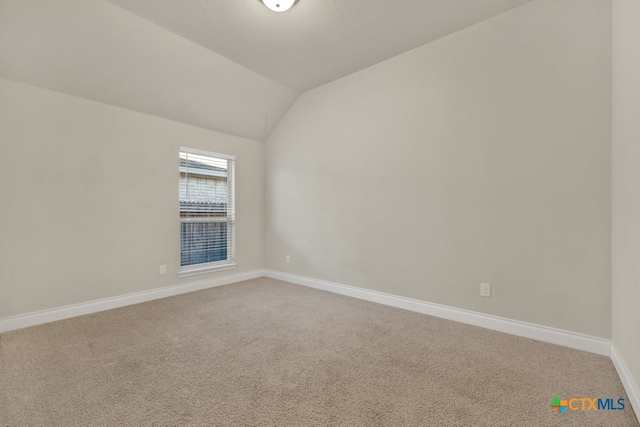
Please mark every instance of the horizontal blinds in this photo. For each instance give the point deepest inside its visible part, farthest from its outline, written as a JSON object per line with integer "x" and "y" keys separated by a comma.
{"x": 207, "y": 208}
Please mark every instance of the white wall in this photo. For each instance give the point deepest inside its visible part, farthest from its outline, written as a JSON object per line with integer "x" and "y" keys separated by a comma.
{"x": 626, "y": 182}
{"x": 90, "y": 199}
{"x": 481, "y": 157}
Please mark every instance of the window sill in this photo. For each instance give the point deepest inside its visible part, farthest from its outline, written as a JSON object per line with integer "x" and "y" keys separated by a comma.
{"x": 204, "y": 269}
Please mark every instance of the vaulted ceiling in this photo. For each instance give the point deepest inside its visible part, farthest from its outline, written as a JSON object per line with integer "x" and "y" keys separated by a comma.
{"x": 316, "y": 41}
{"x": 227, "y": 65}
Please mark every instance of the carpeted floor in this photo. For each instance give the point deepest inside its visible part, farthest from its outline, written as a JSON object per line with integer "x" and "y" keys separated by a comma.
{"x": 268, "y": 353}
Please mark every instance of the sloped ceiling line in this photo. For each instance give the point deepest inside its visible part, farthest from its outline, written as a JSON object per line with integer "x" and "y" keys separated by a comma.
{"x": 227, "y": 65}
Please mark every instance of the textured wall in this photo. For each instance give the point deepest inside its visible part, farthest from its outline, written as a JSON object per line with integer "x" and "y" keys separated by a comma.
{"x": 90, "y": 199}
{"x": 481, "y": 157}
{"x": 626, "y": 183}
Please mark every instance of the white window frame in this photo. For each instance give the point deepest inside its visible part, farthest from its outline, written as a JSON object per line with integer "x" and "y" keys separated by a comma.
{"x": 229, "y": 263}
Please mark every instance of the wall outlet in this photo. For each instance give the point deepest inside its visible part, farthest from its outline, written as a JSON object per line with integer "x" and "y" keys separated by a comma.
{"x": 485, "y": 290}
{"x": 163, "y": 269}
{"x": 287, "y": 259}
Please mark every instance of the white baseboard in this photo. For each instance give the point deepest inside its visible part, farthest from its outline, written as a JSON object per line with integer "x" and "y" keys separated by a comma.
{"x": 46, "y": 316}
{"x": 529, "y": 330}
{"x": 629, "y": 383}
{"x": 514, "y": 327}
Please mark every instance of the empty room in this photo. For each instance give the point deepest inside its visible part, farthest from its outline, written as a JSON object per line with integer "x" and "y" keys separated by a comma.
{"x": 319, "y": 213}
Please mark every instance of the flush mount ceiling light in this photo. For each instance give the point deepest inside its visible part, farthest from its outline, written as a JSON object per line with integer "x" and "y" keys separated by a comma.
{"x": 279, "y": 5}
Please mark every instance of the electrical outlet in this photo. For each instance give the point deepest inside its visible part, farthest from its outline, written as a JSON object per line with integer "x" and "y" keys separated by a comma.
{"x": 287, "y": 259}
{"x": 163, "y": 269}
{"x": 485, "y": 290}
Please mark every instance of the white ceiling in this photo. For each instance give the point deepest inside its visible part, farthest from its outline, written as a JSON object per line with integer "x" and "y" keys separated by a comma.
{"x": 227, "y": 65}
{"x": 99, "y": 51}
{"x": 317, "y": 41}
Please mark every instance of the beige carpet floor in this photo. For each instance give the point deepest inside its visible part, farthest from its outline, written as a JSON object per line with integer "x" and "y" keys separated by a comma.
{"x": 268, "y": 353}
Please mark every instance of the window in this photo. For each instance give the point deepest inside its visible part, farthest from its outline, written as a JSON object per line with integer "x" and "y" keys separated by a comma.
{"x": 207, "y": 212}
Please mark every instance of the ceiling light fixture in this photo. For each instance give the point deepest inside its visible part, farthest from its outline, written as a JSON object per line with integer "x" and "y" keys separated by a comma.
{"x": 279, "y": 5}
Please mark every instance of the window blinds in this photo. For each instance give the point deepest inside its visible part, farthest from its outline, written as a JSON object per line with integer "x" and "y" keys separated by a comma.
{"x": 207, "y": 209}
